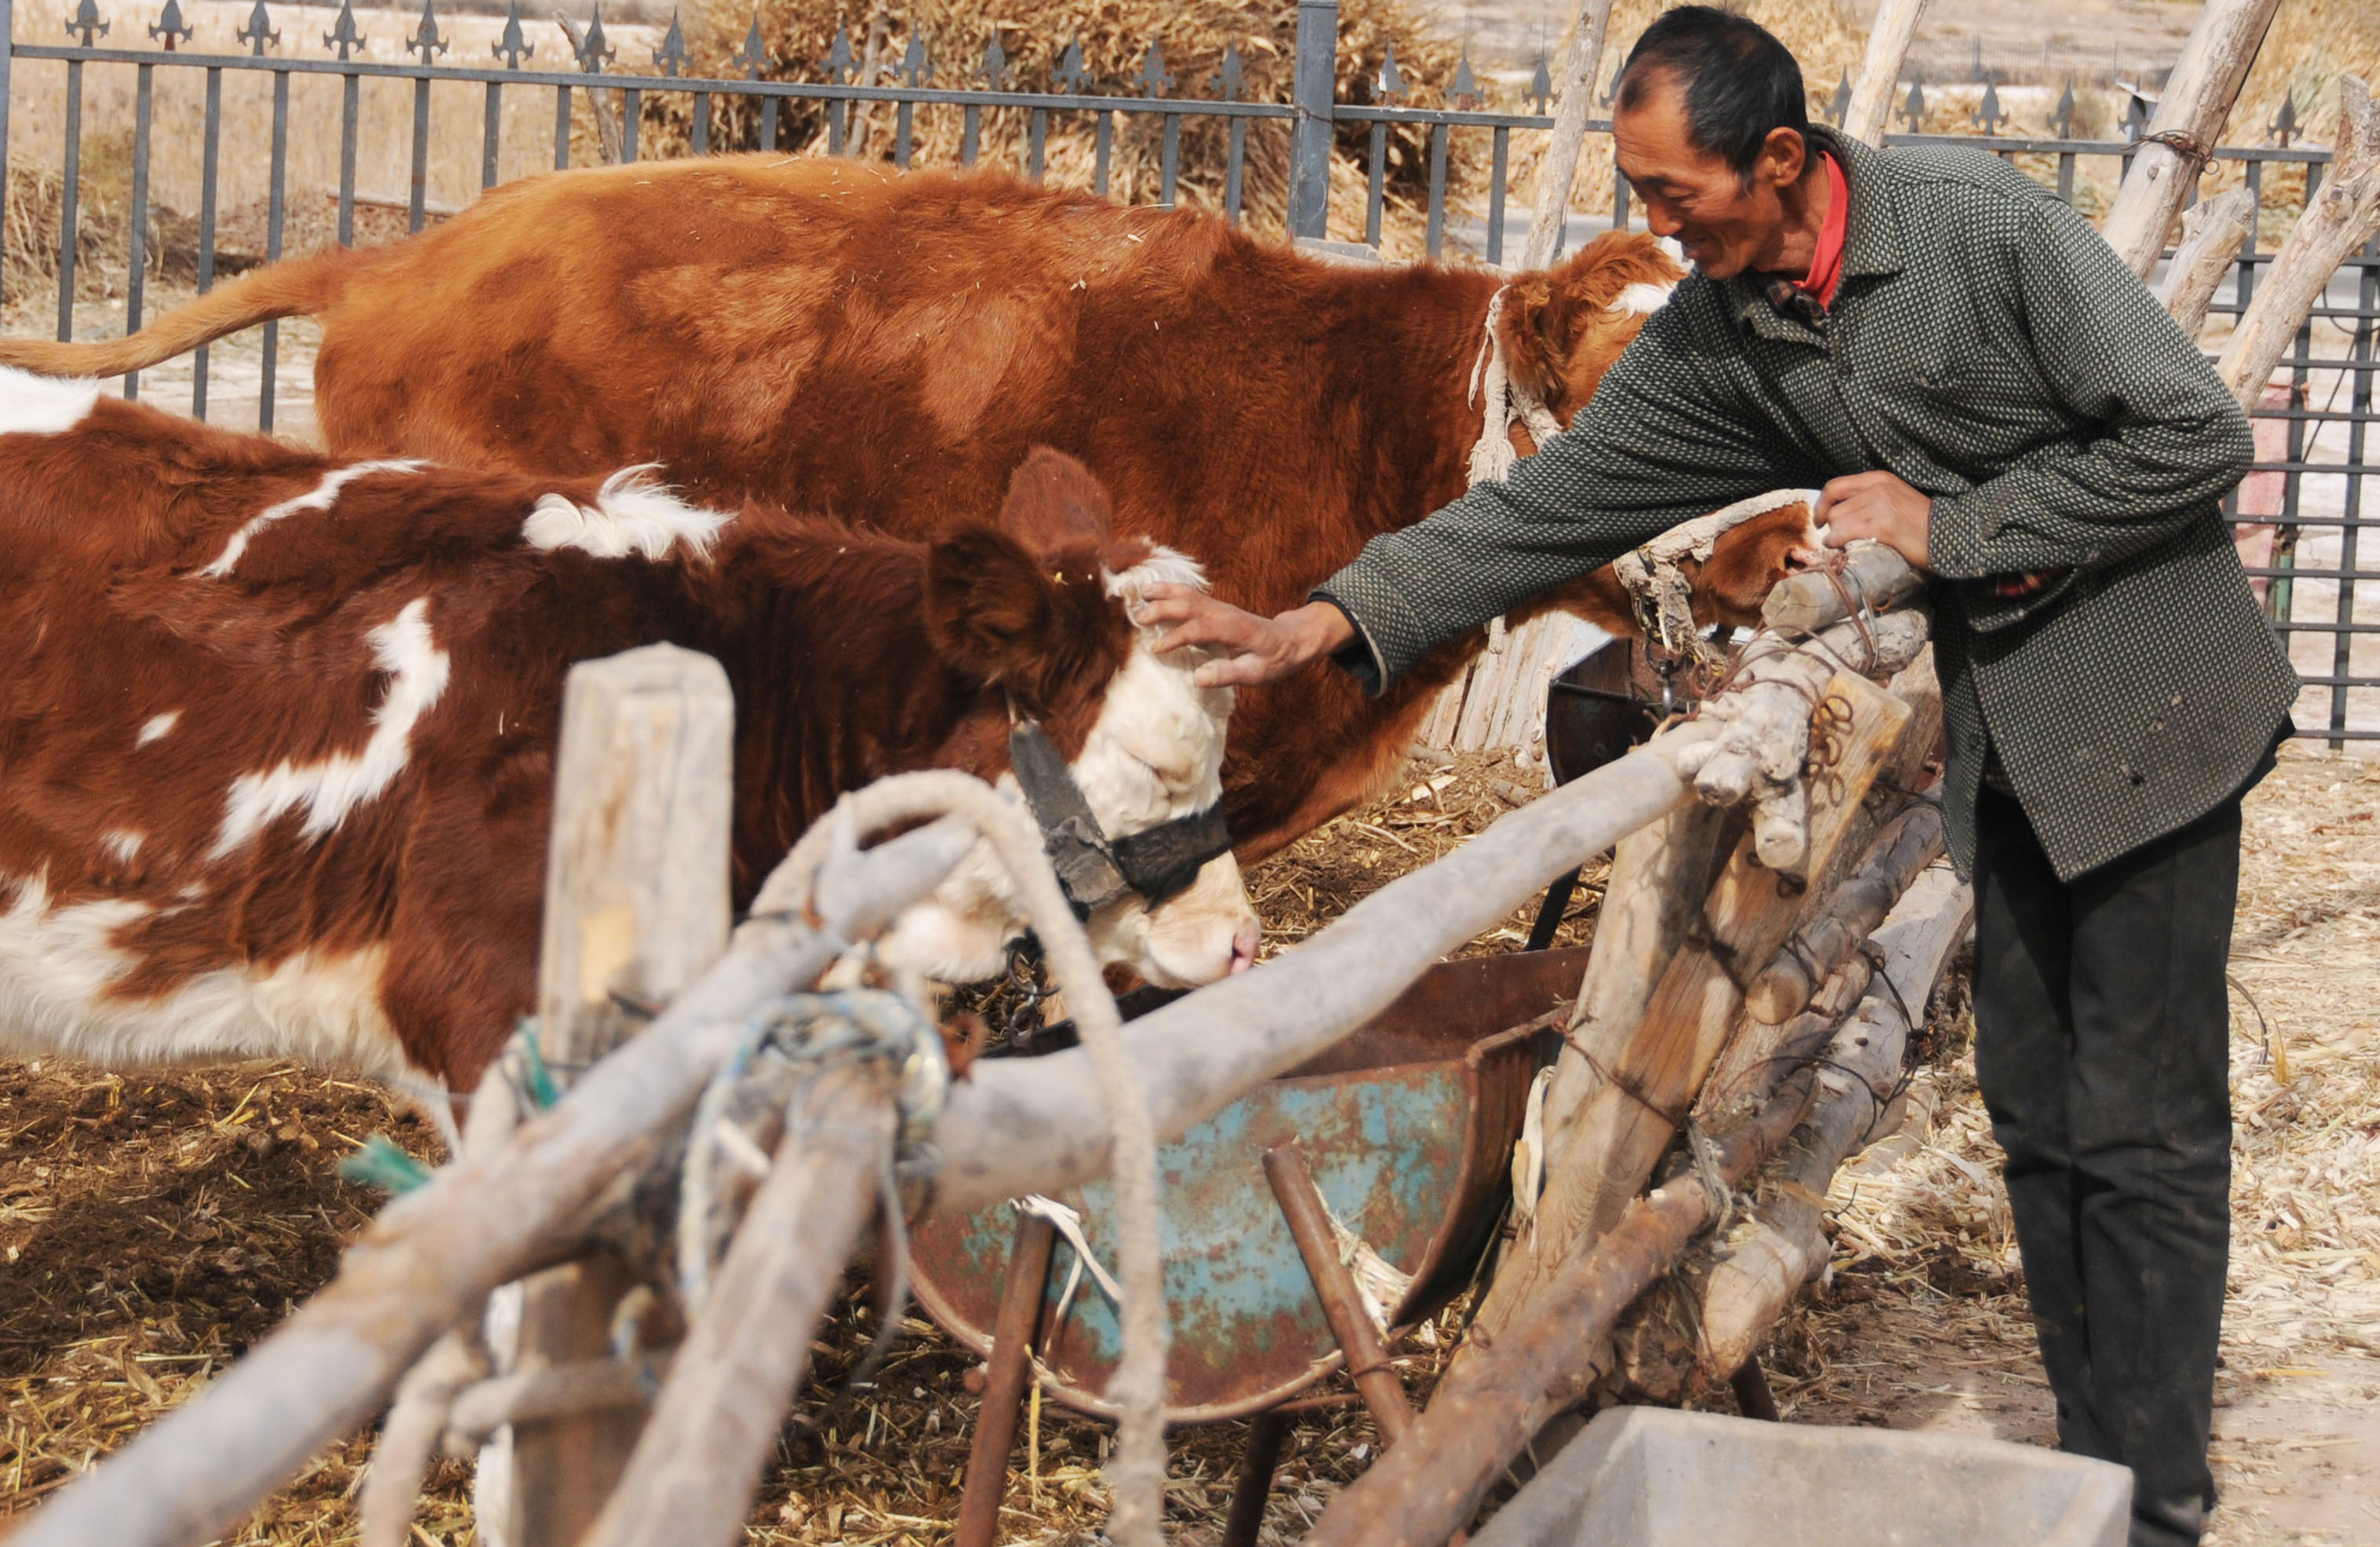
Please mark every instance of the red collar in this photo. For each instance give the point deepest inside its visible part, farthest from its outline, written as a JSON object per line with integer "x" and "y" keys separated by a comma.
{"x": 1827, "y": 262}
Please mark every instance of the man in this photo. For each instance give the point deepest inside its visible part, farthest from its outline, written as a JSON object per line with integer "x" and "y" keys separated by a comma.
{"x": 1974, "y": 378}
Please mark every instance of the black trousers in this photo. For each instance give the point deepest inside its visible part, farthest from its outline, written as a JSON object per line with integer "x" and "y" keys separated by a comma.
{"x": 2102, "y": 1034}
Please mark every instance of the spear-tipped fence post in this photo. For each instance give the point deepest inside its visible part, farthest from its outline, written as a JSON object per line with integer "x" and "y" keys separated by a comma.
{"x": 839, "y": 64}
{"x": 169, "y": 26}
{"x": 915, "y": 70}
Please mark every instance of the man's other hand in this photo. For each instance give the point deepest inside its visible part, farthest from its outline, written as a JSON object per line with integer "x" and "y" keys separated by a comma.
{"x": 1255, "y": 649}
{"x": 1876, "y": 504}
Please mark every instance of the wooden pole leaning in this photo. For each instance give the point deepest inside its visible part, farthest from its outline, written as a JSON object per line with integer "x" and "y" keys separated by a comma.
{"x": 1007, "y": 1375}
{"x": 1879, "y": 75}
{"x": 2189, "y": 119}
{"x": 1359, "y": 1342}
{"x": 635, "y": 905}
{"x": 2212, "y": 234}
{"x": 2342, "y": 216}
{"x": 1738, "y": 1283}
{"x": 693, "y": 1474}
{"x": 1573, "y": 102}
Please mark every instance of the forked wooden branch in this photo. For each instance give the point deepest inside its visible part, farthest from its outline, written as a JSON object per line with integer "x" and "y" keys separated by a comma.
{"x": 1742, "y": 1283}
{"x": 1489, "y": 1405}
{"x": 2190, "y": 118}
{"x": 1879, "y": 77}
{"x": 2339, "y": 218}
{"x": 1574, "y": 102}
{"x": 1753, "y": 1272}
{"x": 2212, "y": 234}
{"x": 1822, "y": 944}
{"x": 1614, "y": 1099}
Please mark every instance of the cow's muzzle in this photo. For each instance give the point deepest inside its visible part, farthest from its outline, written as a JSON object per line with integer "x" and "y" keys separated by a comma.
{"x": 1093, "y": 868}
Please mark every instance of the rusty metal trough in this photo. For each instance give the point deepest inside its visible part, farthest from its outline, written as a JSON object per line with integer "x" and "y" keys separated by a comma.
{"x": 1408, "y": 1129}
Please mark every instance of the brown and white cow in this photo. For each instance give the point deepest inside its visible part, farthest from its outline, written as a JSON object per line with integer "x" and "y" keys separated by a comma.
{"x": 277, "y": 732}
{"x": 887, "y": 346}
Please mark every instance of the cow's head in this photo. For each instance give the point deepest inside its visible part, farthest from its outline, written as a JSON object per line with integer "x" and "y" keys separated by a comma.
{"x": 1563, "y": 326}
{"x": 1037, "y": 606}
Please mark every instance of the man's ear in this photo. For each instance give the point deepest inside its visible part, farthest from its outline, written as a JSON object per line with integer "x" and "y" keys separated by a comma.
{"x": 1041, "y": 627}
{"x": 1784, "y": 155}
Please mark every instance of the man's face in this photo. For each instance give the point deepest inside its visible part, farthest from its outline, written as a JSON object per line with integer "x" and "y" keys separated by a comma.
{"x": 1726, "y": 223}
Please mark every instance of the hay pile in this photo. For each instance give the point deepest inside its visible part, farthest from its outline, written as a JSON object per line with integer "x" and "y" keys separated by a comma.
{"x": 154, "y": 1228}
{"x": 797, "y": 35}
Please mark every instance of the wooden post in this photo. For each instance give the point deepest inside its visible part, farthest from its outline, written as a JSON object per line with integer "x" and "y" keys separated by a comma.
{"x": 1573, "y": 102}
{"x": 1007, "y": 1375}
{"x": 2196, "y": 102}
{"x": 1879, "y": 75}
{"x": 1359, "y": 1342}
{"x": 1617, "y": 1091}
{"x": 2212, "y": 234}
{"x": 716, "y": 1424}
{"x": 2338, "y": 220}
{"x": 636, "y": 903}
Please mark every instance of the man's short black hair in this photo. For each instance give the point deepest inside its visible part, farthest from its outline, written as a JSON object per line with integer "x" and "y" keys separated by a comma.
{"x": 1738, "y": 82}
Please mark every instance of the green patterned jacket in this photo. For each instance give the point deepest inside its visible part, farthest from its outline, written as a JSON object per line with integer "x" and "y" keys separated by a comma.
{"x": 1989, "y": 348}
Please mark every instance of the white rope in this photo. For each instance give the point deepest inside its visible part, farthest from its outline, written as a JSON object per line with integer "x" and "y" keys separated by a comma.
{"x": 1529, "y": 1159}
{"x": 1508, "y": 402}
{"x": 1069, "y": 1223}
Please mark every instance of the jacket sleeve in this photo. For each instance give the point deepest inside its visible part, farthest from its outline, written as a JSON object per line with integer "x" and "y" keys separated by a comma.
{"x": 2161, "y": 439}
{"x": 1659, "y": 443}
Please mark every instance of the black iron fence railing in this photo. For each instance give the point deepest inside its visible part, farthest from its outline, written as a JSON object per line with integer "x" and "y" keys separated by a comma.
{"x": 2300, "y": 515}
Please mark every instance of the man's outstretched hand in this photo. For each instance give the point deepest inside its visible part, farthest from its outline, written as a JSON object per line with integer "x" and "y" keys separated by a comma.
{"x": 1877, "y": 505}
{"x": 1255, "y": 649}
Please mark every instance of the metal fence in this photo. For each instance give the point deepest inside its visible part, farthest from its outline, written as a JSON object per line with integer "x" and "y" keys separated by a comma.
{"x": 2301, "y": 515}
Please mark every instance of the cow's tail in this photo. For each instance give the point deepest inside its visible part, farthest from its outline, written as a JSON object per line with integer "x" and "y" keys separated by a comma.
{"x": 292, "y": 287}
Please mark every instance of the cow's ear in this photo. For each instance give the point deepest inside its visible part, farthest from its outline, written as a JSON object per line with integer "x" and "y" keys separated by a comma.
{"x": 1535, "y": 328}
{"x": 1054, "y": 505}
{"x": 1563, "y": 326}
{"x": 1041, "y": 626}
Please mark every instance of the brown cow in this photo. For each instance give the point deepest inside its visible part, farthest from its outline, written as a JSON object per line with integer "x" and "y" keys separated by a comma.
{"x": 277, "y": 732}
{"x": 838, "y": 336}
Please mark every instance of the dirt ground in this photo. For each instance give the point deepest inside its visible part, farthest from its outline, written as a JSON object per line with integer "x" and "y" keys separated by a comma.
{"x": 154, "y": 1227}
